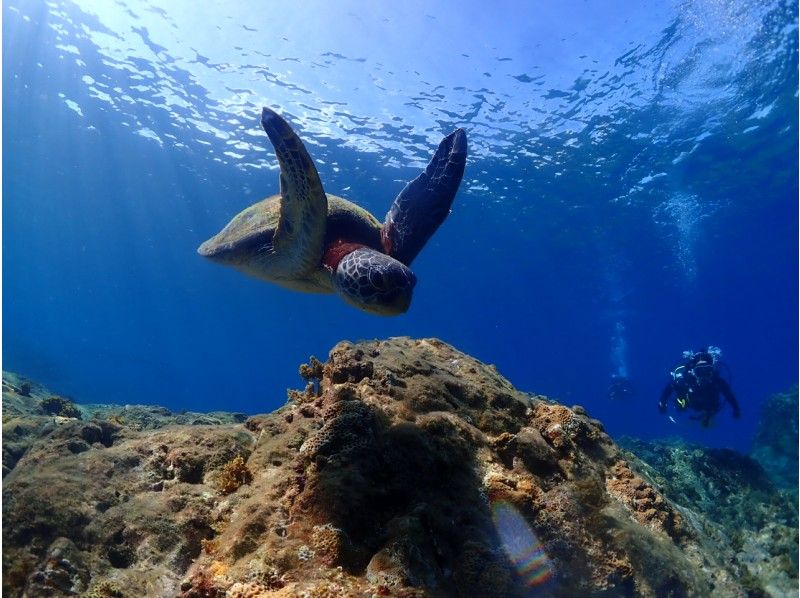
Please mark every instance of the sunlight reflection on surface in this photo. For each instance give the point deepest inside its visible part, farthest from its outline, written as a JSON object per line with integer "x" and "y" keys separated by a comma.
{"x": 524, "y": 550}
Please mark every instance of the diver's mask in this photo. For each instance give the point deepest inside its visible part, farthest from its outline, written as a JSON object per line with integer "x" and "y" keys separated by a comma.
{"x": 703, "y": 371}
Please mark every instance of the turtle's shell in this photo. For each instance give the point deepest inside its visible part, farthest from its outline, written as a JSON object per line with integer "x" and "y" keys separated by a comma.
{"x": 252, "y": 230}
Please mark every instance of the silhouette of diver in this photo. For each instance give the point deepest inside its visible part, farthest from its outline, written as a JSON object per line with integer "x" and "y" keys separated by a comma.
{"x": 697, "y": 384}
{"x": 620, "y": 388}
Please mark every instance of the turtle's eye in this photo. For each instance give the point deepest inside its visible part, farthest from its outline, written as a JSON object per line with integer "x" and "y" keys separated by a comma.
{"x": 396, "y": 277}
{"x": 377, "y": 280}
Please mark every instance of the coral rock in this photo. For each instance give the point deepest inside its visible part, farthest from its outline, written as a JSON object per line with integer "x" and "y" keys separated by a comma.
{"x": 776, "y": 443}
{"x": 405, "y": 468}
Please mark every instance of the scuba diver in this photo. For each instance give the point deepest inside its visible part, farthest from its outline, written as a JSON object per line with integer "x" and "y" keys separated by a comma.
{"x": 697, "y": 384}
{"x": 620, "y": 388}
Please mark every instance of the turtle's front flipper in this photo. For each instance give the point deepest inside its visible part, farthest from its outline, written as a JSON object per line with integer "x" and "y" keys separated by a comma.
{"x": 300, "y": 235}
{"x": 425, "y": 202}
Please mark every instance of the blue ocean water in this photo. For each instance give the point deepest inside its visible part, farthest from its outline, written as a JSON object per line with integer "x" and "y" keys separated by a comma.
{"x": 631, "y": 192}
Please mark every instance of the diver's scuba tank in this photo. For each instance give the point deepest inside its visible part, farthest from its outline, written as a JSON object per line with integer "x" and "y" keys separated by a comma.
{"x": 720, "y": 366}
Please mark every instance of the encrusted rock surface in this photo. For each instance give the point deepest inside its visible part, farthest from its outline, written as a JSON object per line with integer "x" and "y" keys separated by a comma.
{"x": 744, "y": 517}
{"x": 405, "y": 468}
{"x": 776, "y": 442}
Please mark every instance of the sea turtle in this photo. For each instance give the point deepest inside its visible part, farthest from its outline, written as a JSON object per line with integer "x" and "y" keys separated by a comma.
{"x": 307, "y": 240}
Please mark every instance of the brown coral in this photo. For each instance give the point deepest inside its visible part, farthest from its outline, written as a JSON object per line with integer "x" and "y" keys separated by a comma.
{"x": 386, "y": 483}
{"x": 644, "y": 502}
{"x": 235, "y": 474}
{"x": 248, "y": 590}
{"x": 55, "y": 405}
{"x": 328, "y": 543}
{"x": 201, "y": 585}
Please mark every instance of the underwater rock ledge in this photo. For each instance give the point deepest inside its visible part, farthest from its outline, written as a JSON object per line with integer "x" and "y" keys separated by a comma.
{"x": 405, "y": 468}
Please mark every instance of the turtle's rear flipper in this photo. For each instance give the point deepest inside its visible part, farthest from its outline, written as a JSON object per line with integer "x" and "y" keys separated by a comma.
{"x": 425, "y": 202}
{"x": 304, "y": 206}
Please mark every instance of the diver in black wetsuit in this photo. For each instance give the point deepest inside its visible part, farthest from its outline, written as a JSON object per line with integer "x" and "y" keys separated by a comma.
{"x": 697, "y": 385}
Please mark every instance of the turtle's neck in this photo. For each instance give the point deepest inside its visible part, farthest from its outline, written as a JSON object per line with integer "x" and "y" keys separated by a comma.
{"x": 336, "y": 251}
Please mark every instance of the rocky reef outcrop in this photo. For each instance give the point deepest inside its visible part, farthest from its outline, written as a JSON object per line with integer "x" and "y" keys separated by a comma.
{"x": 740, "y": 513}
{"x": 776, "y": 442}
{"x": 404, "y": 468}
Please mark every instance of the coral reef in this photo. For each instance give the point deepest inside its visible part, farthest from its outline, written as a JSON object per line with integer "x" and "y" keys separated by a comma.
{"x": 746, "y": 519}
{"x": 776, "y": 442}
{"x": 234, "y": 474}
{"x": 56, "y": 405}
{"x": 405, "y": 468}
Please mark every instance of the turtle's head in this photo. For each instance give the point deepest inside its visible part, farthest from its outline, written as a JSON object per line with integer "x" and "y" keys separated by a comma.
{"x": 374, "y": 282}
{"x": 246, "y": 242}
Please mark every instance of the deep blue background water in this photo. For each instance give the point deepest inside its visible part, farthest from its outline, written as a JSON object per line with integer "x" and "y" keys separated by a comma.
{"x": 631, "y": 192}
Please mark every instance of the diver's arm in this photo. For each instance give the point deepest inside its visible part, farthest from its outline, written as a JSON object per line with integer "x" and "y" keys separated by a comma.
{"x": 726, "y": 391}
{"x": 662, "y": 402}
